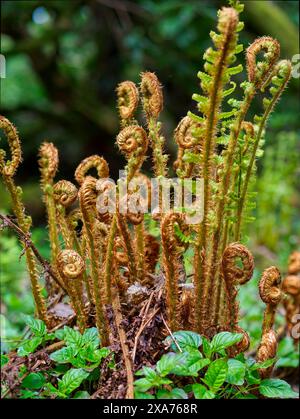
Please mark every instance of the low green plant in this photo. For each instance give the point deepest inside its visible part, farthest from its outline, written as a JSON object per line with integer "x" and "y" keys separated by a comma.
{"x": 209, "y": 371}
{"x": 75, "y": 364}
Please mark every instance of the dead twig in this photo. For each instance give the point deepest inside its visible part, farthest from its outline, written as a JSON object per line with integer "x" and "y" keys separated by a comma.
{"x": 171, "y": 334}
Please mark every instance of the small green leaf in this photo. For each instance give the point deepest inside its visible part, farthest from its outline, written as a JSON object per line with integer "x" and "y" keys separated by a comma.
{"x": 206, "y": 347}
{"x": 139, "y": 395}
{"x": 262, "y": 365}
{"x": 216, "y": 374}
{"x": 201, "y": 392}
{"x": 234, "y": 70}
{"x": 143, "y": 384}
{"x": 64, "y": 355}
{"x": 170, "y": 362}
{"x": 34, "y": 380}
{"x": 91, "y": 336}
{"x": 187, "y": 341}
{"x": 73, "y": 337}
{"x": 4, "y": 360}
{"x": 236, "y": 372}
{"x": 72, "y": 380}
{"x": 175, "y": 393}
{"x": 50, "y": 390}
{"x": 252, "y": 377}
{"x": 224, "y": 340}
{"x": 37, "y": 326}
{"x": 277, "y": 389}
{"x": 29, "y": 346}
{"x": 28, "y": 394}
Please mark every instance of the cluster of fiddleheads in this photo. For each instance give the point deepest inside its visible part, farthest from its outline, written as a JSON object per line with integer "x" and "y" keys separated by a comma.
{"x": 100, "y": 255}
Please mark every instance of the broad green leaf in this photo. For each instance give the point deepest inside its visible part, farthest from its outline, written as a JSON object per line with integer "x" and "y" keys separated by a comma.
{"x": 50, "y": 390}
{"x": 64, "y": 355}
{"x": 206, "y": 347}
{"x": 37, "y": 326}
{"x": 187, "y": 340}
{"x": 29, "y": 394}
{"x": 139, "y": 395}
{"x": 175, "y": 393}
{"x": 94, "y": 355}
{"x": 142, "y": 385}
{"x": 236, "y": 372}
{"x": 72, "y": 380}
{"x": 72, "y": 337}
{"x": 252, "y": 377}
{"x": 194, "y": 363}
{"x": 277, "y": 389}
{"x": 29, "y": 346}
{"x": 216, "y": 374}
{"x": 170, "y": 362}
{"x": 34, "y": 380}
{"x": 91, "y": 336}
{"x": 147, "y": 372}
{"x": 224, "y": 340}
{"x": 261, "y": 365}
{"x": 201, "y": 392}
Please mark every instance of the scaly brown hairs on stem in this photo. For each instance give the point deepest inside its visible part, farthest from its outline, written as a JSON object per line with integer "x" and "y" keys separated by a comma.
{"x": 271, "y": 294}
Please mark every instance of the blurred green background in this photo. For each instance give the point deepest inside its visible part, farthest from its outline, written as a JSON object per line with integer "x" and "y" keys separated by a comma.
{"x": 63, "y": 62}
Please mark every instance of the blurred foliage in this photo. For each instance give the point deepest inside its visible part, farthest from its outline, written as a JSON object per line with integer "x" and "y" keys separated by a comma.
{"x": 16, "y": 297}
{"x": 64, "y": 60}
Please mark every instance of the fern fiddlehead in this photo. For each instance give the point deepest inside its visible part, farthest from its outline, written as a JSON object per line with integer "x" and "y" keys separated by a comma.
{"x": 65, "y": 194}
{"x": 128, "y": 100}
{"x": 92, "y": 162}
{"x": 270, "y": 293}
{"x": 48, "y": 163}
{"x": 8, "y": 169}
{"x": 87, "y": 200}
{"x": 71, "y": 267}
{"x": 233, "y": 276}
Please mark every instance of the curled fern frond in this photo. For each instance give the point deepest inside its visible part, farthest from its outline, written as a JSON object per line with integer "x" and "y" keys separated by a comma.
{"x": 133, "y": 143}
{"x": 91, "y": 162}
{"x": 234, "y": 275}
{"x": 151, "y": 94}
{"x": 267, "y": 350}
{"x": 9, "y": 167}
{"x": 70, "y": 264}
{"x": 128, "y": 100}
{"x": 258, "y": 72}
{"x": 71, "y": 268}
{"x": 88, "y": 195}
{"x": 48, "y": 162}
{"x": 271, "y": 294}
{"x": 65, "y": 193}
{"x": 189, "y": 145}
{"x": 269, "y": 286}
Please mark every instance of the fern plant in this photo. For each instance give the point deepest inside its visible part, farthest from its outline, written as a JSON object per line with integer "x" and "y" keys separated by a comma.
{"x": 108, "y": 266}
